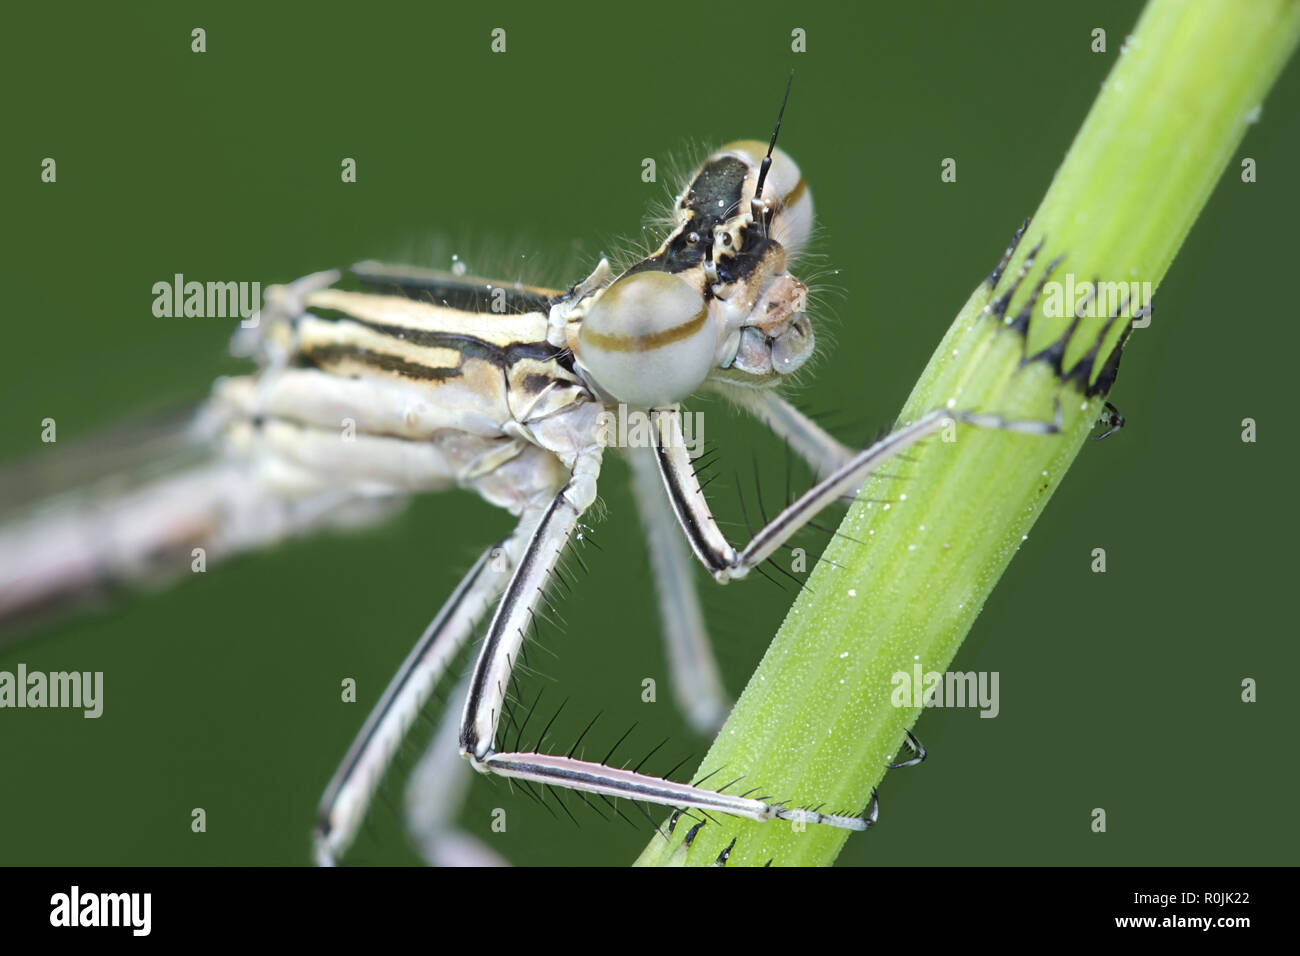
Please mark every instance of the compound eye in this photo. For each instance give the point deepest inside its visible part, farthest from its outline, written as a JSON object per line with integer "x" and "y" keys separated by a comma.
{"x": 648, "y": 340}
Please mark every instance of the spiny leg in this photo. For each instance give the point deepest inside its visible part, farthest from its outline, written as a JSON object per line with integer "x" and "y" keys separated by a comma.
{"x": 919, "y": 753}
{"x": 696, "y": 683}
{"x": 612, "y": 782}
{"x": 695, "y": 674}
{"x": 436, "y": 791}
{"x": 514, "y": 614}
{"x": 707, "y": 540}
{"x": 821, "y": 450}
{"x": 1111, "y": 419}
{"x": 348, "y": 796}
{"x": 870, "y": 818}
{"x": 497, "y": 658}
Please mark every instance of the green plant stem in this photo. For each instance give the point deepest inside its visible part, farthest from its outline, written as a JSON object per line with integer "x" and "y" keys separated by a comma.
{"x": 901, "y": 586}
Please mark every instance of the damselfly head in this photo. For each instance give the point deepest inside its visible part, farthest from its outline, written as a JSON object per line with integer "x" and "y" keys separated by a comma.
{"x": 715, "y": 301}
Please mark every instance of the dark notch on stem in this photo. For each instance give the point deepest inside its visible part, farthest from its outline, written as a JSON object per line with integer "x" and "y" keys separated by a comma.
{"x": 996, "y": 275}
{"x": 1021, "y": 321}
{"x": 999, "y": 305}
{"x": 1081, "y": 373}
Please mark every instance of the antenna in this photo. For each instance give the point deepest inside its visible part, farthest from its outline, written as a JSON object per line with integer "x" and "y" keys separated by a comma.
{"x": 756, "y": 205}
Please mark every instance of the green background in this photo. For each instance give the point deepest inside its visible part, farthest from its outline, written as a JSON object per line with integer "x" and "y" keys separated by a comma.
{"x": 1118, "y": 690}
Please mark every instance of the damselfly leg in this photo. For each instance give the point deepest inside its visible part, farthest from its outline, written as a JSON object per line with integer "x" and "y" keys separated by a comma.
{"x": 723, "y": 561}
{"x": 500, "y": 651}
{"x": 348, "y": 796}
{"x": 696, "y": 682}
{"x": 435, "y": 793}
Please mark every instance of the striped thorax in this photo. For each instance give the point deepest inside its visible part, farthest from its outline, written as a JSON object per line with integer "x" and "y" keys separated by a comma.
{"x": 450, "y": 380}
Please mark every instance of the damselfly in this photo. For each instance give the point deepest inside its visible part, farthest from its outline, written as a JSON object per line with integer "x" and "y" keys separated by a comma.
{"x": 378, "y": 382}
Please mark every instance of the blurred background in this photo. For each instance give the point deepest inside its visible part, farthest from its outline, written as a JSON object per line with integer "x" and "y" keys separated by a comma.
{"x": 1118, "y": 690}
